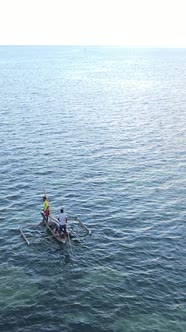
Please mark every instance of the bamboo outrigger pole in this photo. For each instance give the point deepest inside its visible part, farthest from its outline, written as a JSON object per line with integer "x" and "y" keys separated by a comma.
{"x": 24, "y": 236}
{"x": 84, "y": 226}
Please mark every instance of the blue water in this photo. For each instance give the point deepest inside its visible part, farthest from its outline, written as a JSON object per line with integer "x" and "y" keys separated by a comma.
{"x": 102, "y": 130}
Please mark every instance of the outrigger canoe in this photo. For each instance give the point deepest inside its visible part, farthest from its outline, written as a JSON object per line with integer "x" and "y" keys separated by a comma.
{"x": 71, "y": 233}
{"x": 62, "y": 238}
{"x": 76, "y": 229}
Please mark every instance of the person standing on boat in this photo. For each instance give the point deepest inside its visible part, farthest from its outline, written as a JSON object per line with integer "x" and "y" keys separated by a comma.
{"x": 62, "y": 222}
{"x": 46, "y": 210}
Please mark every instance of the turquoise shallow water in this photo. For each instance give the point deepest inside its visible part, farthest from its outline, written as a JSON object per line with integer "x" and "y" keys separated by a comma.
{"x": 103, "y": 131}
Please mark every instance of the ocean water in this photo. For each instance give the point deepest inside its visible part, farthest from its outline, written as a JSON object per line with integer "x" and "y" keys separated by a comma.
{"x": 102, "y": 130}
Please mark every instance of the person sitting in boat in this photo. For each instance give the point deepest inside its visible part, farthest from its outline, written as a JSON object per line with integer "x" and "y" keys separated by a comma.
{"x": 46, "y": 210}
{"x": 62, "y": 222}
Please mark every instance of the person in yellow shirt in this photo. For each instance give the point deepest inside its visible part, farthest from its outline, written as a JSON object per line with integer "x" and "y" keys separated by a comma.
{"x": 46, "y": 210}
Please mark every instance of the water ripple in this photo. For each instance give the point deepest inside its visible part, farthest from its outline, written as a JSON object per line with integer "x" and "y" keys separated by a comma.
{"x": 102, "y": 133}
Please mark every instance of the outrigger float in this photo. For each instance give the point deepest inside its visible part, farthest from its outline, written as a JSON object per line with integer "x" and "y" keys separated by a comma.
{"x": 76, "y": 229}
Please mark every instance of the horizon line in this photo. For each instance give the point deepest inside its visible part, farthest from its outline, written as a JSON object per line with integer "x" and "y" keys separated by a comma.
{"x": 91, "y": 45}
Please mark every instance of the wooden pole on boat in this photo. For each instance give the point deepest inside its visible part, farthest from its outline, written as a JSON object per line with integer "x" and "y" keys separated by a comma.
{"x": 45, "y": 193}
{"x": 69, "y": 242}
{"x": 84, "y": 226}
{"x": 24, "y": 237}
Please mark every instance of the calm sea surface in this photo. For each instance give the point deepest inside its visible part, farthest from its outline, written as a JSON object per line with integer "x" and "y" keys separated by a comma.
{"x": 103, "y": 131}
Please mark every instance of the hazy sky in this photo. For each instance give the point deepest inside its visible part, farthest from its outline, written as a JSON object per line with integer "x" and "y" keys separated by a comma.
{"x": 97, "y": 22}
